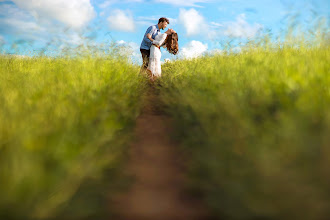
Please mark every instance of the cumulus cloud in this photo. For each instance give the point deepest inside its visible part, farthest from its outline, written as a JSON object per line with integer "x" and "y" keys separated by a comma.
{"x": 193, "y": 22}
{"x": 241, "y": 28}
{"x": 72, "y": 39}
{"x": 18, "y": 22}
{"x": 74, "y": 13}
{"x": 106, "y": 4}
{"x": 216, "y": 25}
{"x": 193, "y": 49}
{"x": 121, "y": 21}
{"x": 21, "y": 26}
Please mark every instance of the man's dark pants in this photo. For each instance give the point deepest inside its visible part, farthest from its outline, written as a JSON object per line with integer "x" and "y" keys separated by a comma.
{"x": 145, "y": 59}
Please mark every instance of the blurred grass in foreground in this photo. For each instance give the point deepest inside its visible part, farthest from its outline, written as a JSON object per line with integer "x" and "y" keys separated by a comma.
{"x": 64, "y": 125}
{"x": 256, "y": 127}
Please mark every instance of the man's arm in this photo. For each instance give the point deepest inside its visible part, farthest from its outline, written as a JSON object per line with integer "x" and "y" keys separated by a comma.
{"x": 149, "y": 37}
{"x": 150, "y": 31}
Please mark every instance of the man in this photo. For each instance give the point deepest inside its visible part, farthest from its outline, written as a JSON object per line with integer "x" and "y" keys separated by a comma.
{"x": 148, "y": 38}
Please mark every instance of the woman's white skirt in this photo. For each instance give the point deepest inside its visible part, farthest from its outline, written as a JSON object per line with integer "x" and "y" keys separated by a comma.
{"x": 154, "y": 61}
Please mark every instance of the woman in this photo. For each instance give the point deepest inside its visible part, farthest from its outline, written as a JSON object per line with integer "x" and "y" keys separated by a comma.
{"x": 168, "y": 40}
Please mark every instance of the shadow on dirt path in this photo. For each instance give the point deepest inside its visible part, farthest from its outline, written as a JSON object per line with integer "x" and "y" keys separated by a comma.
{"x": 158, "y": 191}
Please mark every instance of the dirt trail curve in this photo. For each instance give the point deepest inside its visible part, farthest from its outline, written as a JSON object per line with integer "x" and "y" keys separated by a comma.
{"x": 155, "y": 163}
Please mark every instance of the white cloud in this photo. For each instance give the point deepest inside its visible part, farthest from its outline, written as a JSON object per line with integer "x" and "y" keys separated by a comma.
{"x": 21, "y": 24}
{"x": 121, "y": 21}
{"x": 191, "y": 3}
{"x": 106, "y": 4}
{"x": 193, "y": 49}
{"x": 193, "y": 22}
{"x": 18, "y": 22}
{"x": 240, "y": 28}
{"x": 74, "y": 13}
{"x": 121, "y": 42}
{"x": 72, "y": 39}
{"x": 9, "y": 10}
{"x": 216, "y": 25}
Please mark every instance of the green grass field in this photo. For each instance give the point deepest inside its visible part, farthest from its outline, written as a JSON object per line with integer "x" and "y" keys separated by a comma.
{"x": 64, "y": 128}
{"x": 256, "y": 127}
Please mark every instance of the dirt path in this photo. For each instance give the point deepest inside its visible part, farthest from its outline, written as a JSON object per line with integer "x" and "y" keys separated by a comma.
{"x": 158, "y": 191}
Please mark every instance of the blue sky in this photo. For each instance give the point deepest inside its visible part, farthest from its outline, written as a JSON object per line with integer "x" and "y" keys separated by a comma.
{"x": 202, "y": 25}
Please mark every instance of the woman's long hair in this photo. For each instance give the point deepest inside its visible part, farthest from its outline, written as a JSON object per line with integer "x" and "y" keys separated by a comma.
{"x": 172, "y": 43}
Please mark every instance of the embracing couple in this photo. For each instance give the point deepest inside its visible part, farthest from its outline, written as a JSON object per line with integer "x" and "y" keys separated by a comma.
{"x": 150, "y": 47}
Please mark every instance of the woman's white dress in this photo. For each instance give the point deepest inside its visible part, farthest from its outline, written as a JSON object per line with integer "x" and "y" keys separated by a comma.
{"x": 155, "y": 55}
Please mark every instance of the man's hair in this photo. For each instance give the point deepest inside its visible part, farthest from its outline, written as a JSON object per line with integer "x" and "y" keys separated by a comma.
{"x": 163, "y": 19}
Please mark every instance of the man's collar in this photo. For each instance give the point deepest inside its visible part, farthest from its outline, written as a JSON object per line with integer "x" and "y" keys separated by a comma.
{"x": 157, "y": 27}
